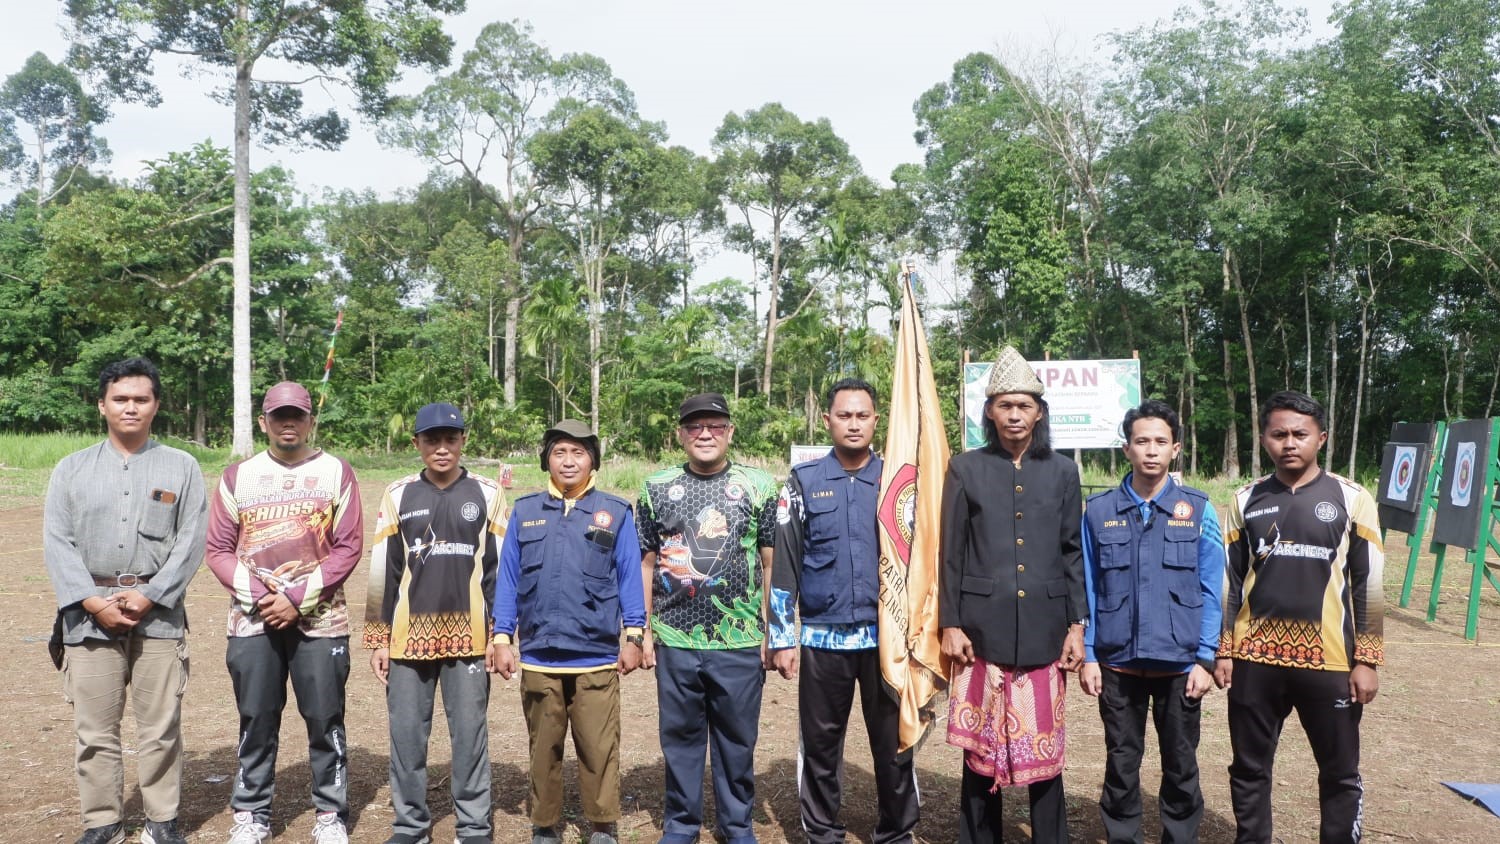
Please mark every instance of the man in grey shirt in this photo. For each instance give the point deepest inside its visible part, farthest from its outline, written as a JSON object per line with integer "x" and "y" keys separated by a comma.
{"x": 123, "y": 533}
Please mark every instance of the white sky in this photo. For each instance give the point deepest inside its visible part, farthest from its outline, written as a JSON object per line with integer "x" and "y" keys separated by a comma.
{"x": 860, "y": 63}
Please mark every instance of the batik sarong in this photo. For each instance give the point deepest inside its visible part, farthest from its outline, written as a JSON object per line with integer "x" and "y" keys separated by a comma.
{"x": 1008, "y": 721}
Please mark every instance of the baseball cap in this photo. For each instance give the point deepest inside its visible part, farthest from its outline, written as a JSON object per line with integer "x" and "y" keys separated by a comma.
{"x": 439, "y": 415}
{"x": 287, "y": 394}
{"x": 703, "y": 403}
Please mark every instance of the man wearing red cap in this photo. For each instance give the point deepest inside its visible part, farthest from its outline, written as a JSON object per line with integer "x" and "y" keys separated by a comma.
{"x": 285, "y": 531}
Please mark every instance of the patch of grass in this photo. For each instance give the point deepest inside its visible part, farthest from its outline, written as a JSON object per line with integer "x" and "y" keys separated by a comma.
{"x": 39, "y": 451}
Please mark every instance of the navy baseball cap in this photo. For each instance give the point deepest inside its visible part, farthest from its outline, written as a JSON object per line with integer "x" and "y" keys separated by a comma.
{"x": 439, "y": 415}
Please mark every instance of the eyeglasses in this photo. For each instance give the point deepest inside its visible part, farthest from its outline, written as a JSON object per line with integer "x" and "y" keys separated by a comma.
{"x": 694, "y": 429}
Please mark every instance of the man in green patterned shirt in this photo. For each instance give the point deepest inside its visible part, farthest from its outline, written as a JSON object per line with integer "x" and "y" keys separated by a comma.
{"x": 707, "y": 528}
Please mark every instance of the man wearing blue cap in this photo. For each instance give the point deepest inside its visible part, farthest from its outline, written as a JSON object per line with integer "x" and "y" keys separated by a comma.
{"x": 432, "y": 572}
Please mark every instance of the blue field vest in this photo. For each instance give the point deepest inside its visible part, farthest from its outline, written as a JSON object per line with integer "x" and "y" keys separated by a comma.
{"x": 841, "y": 550}
{"x": 568, "y": 592}
{"x": 1148, "y": 596}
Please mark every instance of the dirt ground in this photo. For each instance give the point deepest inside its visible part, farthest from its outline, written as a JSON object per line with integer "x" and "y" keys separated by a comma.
{"x": 1436, "y": 719}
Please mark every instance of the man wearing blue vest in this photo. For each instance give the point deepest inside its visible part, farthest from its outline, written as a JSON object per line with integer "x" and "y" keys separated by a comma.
{"x": 827, "y": 566}
{"x": 1153, "y": 566}
{"x": 569, "y": 580}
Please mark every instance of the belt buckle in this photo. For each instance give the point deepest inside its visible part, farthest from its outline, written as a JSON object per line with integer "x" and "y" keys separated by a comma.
{"x": 127, "y": 580}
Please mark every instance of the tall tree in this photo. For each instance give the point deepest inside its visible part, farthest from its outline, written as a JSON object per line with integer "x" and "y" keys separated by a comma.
{"x": 779, "y": 172}
{"x": 360, "y": 44}
{"x": 993, "y": 196}
{"x": 480, "y": 119}
{"x": 1210, "y": 87}
{"x": 47, "y": 126}
{"x": 597, "y": 167}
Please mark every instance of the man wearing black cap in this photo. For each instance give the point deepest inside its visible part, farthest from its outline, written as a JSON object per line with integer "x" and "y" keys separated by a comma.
{"x": 707, "y": 530}
{"x": 427, "y": 615}
{"x": 570, "y": 575}
{"x": 285, "y": 531}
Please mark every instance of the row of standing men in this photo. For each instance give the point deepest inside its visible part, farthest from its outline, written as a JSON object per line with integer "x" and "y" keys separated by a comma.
{"x": 1132, "y": 592}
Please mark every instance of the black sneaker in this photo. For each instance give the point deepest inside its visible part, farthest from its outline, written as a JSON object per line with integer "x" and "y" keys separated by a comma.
{"x": 112, "y": 834}
{"x": 162, "y": 832}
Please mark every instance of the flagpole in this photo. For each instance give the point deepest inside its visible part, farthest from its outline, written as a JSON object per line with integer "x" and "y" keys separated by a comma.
{"x": 338, "y": 323}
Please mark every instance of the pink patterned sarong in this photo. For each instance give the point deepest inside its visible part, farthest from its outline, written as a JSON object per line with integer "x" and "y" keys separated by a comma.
{"x": 1009, "y": 722}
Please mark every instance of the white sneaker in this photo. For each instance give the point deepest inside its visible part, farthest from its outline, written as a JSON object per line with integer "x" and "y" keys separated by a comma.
{"x": 329, "y": 829}
{"x": 247, "y": 831}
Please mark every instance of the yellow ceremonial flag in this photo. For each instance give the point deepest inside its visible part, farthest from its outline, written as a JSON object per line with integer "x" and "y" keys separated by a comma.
{"x": 910, "y": 514}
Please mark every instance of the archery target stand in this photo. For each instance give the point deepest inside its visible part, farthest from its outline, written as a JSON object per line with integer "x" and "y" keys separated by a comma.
{"x": 1407, "y": 494}
{"x": 1466, "y": 510}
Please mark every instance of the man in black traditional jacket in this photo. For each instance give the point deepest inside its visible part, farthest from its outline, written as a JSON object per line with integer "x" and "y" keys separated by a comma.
{"x": 1011, "y": 606}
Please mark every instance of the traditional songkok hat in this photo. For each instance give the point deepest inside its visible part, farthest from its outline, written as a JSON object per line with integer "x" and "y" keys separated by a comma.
{"x": 1012, "y": 374}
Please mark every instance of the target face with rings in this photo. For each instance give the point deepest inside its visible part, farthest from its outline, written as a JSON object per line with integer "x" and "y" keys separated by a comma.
{"x": 1403, "y": 470}
{"x": 1461, "y": 493}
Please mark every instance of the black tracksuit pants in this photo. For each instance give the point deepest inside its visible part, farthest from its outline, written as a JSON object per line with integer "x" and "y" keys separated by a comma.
{"x": 825, "y": 695}
{"x": 1260, "y": 698}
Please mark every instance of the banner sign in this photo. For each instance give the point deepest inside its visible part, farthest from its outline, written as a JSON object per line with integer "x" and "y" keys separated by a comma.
{"x": 808, "y": 453}
{"x": 1087, "y": 400}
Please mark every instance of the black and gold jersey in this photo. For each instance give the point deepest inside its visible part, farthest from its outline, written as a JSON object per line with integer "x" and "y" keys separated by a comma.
{"x": 1302, "y": 583}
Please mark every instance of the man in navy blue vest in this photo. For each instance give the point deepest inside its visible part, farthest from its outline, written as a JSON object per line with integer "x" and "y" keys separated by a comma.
{"x": 827, "y": 566}
{"x": 1153, "y": 567}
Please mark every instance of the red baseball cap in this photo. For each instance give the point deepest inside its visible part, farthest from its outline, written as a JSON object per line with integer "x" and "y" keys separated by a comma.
{"x": 287, "y": 394}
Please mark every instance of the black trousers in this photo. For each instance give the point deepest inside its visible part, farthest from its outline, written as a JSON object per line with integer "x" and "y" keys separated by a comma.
{"x": 1259, "y": 700}
{"x": 981, "y": 822}
{"x": 825, "y": 695}
{"x": 1122, "y": 707}
{"x": 318, "y": 667}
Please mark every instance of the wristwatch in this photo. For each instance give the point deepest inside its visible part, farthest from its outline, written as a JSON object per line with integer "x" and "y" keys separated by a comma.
{"x": 1083, "y": 622}
{"x": 636, "y": 639}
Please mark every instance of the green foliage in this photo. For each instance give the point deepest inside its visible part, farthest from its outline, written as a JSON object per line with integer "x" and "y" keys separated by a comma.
{"x": 1244, "y": 208}
{"x": 116, "y": 42}
{"x": 47, "y": 126}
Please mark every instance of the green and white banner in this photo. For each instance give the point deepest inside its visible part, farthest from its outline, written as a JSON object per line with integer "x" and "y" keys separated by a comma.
{"x": 1087, "y": 398}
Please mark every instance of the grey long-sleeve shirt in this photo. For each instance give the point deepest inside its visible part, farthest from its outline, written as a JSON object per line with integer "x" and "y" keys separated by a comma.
{"x": 143, "y": 513}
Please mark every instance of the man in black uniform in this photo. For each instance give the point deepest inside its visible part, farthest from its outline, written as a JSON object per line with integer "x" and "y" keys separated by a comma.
{"x": 1303, "y": 626}
{"x": 427, "y": 622}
